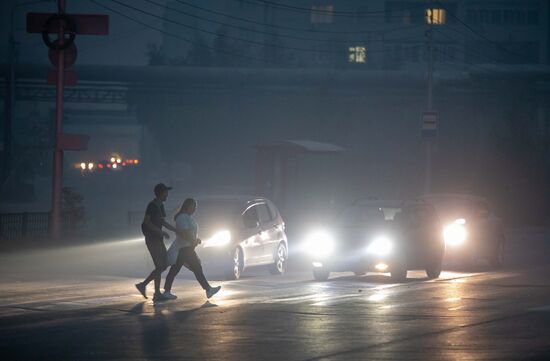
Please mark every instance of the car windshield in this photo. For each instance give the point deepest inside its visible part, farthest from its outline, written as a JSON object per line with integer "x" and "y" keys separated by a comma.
{"x": 358, "y": 216}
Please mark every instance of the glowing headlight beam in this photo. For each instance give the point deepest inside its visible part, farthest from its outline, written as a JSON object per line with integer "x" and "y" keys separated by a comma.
{"x": 320, "y": 244}
{"x": 455, "y": 234}
{"x": 381, "y": 246}
{"x": 219, "y": 239}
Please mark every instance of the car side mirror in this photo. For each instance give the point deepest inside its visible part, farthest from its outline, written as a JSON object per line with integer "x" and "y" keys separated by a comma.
{"x": 250, "y": 223}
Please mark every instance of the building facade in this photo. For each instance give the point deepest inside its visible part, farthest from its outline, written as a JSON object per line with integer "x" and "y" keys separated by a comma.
{"x": 357, "y": 34}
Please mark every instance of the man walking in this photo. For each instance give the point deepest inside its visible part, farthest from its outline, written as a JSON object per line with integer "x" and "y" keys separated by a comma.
{"x": 154, "y": 239}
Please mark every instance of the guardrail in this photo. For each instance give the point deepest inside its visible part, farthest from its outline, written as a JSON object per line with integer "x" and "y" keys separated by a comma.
{"x": 16, "y": 226}
{"x": 35, "y": 225}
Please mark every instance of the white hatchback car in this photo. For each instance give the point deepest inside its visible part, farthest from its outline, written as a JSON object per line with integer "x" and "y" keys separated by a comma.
{"x": 238, "y": 232}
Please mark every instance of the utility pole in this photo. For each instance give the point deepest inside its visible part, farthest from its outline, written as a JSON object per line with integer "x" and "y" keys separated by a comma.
{"x": 429, "y": 33}
{"x": 58, "y": 151}
{"x": 62, "y": 54}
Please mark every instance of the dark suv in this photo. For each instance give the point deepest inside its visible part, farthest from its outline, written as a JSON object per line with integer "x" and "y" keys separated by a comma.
{"x": 379, "y": 236}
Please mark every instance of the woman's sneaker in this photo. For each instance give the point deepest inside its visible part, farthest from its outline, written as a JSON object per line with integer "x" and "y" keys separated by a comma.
{"x": 169, "y": 296}
{"x": 142, "y": 289}
{"x": 159, "y": 297}
{"x": 212, "y": 291}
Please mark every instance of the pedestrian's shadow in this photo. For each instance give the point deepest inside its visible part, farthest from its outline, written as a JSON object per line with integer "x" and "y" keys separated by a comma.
{"x": 183, "y": 315}
{"x": 138, "y": 308}
{"x": 165, "y": 309}
{"x": 156, "y": 328}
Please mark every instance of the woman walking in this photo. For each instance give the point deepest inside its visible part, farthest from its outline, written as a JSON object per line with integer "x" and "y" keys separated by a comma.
{"x": 187, "y": 256}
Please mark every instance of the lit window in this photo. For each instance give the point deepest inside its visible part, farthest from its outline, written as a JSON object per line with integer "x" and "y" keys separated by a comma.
{"x": 436, "y": 16}
{"x": 357, "y": 54}
{"x": 321, "y": 14}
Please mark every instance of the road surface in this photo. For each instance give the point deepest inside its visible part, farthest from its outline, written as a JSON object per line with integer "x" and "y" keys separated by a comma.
{"x": 52, "y": 310}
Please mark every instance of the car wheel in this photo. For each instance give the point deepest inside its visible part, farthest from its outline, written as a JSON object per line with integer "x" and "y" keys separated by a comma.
{"x": 321, "y": 274}
{"x": 496, "y": 260}
{"x": 236, "y": 265}
{"x": 434, "y": 270}
{"x": 279, "y": 266}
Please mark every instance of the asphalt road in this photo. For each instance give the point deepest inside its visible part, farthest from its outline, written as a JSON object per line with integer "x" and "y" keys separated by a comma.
{"x": 61, "y": 312}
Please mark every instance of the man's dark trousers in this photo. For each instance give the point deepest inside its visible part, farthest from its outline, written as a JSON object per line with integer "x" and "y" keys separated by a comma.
{"x": 157, "y": 249}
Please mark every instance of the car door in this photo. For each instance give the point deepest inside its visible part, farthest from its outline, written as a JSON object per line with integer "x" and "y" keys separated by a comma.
{"x": 252, "y": 243}
{"x": 268, "y": 234}
{"x": 278, "y": 224}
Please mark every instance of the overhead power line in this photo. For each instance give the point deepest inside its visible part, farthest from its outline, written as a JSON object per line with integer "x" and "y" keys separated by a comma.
{"x": 228, "y": 36}
{"x": 194, "y": 42}
{"x": 258, "y": 59}
{"x": 469, "y": 36}
{"x": 284, "y": 27}
{"x": 175, "y": 36}
{"x": 249, "y": 29}
{"x": 321, "y": 11}
{"x": 479, "y": 55}
{"x": 481, "y": 36}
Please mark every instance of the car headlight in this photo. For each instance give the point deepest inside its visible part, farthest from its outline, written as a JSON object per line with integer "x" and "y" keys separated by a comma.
{"x": 455, "y": 233}
{"x": 381, "y": 246}
{"x": 320, "y": 244}
{"x": 219, "y": 239}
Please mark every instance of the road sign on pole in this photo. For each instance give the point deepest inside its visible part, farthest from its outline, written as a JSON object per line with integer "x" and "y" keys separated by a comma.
{"x": 63, "y": 55}
{"x": 430, "y": 124}
{"x": 85, "y": 24}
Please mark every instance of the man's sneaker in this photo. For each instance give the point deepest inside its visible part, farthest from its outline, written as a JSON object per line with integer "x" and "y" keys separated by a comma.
{"x": 159, "y": 297}
{"x": 169, "y": 296}
{"x": 141, "y": 288}
{"x": 212, "y": 291}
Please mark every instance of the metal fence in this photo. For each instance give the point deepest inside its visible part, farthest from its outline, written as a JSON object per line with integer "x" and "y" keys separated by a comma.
{"x": 15, "y": 226}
